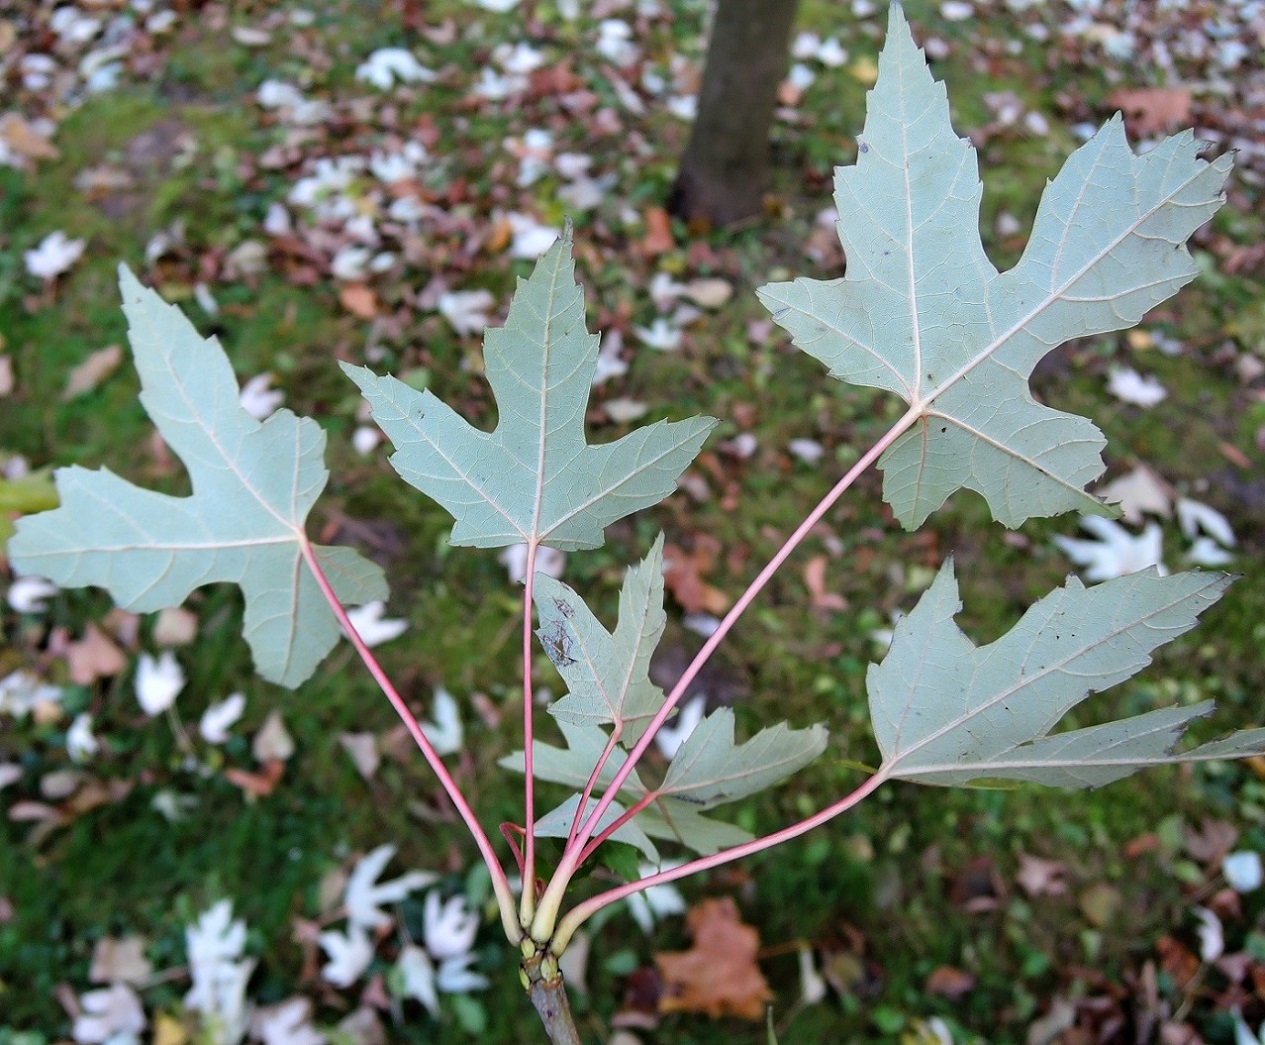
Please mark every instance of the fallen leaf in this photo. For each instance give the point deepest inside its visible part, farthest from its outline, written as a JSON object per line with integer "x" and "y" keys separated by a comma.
{"x": 658, "y": 238}
{"x": 260, "y": 784}
{"x": 1099, "y": 904}
{"x": 1211, "y": 843}
{"x": 120, "y": 960}
{"x": 709, "y": 293}
{"x": 683, "y": 576}
{"x": 94, "y": 656}
{"x": 92, "y": 371}
{"x": 363, "y": 749}
{"x": 22, "y": 138}
{"x": 815, "y": 581}
{"x": 1038, "y": 877}
{"x": 1141, "y": 491}
{"x": 950, "y": 982}
{"x": 175, "y": 626}
{"x": 359, "y": 300}
{"x": 273, "y": 741}
{"x": 1152, "y": 110}
{"x": 718, "y": 975}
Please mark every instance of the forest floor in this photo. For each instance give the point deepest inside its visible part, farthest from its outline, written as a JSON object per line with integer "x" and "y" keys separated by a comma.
{"x": 308, "y": 197}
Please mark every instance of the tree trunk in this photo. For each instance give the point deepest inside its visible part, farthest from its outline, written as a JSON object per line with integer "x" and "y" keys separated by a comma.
{"x": 725, "y": 170}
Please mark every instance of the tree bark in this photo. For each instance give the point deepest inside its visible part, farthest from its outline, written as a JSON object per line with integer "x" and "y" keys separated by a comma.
{"x": 725, "y": 169}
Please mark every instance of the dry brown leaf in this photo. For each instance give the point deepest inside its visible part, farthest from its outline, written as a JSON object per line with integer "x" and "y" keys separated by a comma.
{"x": 359, "y": 300}
{"x": 815, "y": 581}
{"x": 92, "y": 371}
{"x": 718, "y": 975}
{"x": 260, "y": 784}
{"x": 950, "y": 982}
{"x": 1152, "y": 110}
{"x": 21, "y": 137}
{"x": 658, "y": 238}
{"x": 683, "y": 576}
{"x": 94, "y": 656}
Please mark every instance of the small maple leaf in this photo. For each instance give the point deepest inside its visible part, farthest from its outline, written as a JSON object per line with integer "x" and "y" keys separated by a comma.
{"x": 534, "y": 479}
{"x": 718, "y": 975}
{"x": 365, "y": 893}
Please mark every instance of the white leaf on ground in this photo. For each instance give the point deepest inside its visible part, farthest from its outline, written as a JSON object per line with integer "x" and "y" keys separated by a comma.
{"x": 530, "y": 238}
{"x": 363, "y": 749}
{"x": 1211, "y": 937}
{"x": 498, "y": 6}
{"x": 671, "y": 736}
{"x": 807, "y": 450}
{"x": 1243, "y": 871}
{"x": 417, "y": 977}
{"x": 661, "y": 335}
{"x": 1114, "y": 552}
{"x": 219, "y": 973}
{"x": 365, "y": 439}
{"x": 373, "y": 627}
{"x": 1140, "y": 492}
{"x": 364, "y": 893}
{"x": 454, "y": 976}
{"x": 444, "y": 732}
{"x": 92, "y": 371}
{"x": 1204, "y": 551}
{"x": 623, "y": 409}
{"x": 27, "y": 594}
{"x": 54, "y": 255}
{"x": 609, "y": 363}
{"x": 349, "y": 955}
{"x": 549, "y": 561}
{"x": 273, "y": 741}
{"x": 120, "y": 960}
{"x": 659, "y": 901}
{"x": 81, "y": 745}
{"x": 286, "y": 1023}
{"x": 467, "y": 310}
{"x": 109, "y": 1015}
{"x": 21, "y": 693}
{"x": 158, "y": 682}
{"x": 389, "y": 65}
{"x": 1243, "y": 1033}
{"x": 450, "y": 926}
{"x": 812, "y": 985}
{"x": 1195, "y": 517}
{"x": 1127, "y": 385}
{"x": 10, "y": 773}
{"x": 258, "y": 399}
{"x": 217, "y": 718}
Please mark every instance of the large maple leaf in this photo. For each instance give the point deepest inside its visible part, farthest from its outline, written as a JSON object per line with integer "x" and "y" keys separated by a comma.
{"x": 923, "y": 313}
{"x": 253, "y": 486}
{"x": 534, "y": 479}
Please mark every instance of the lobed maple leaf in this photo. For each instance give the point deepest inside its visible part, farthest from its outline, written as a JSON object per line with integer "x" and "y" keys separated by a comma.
{"x": 253, "y": 486}
{"x": 718, "y": 975}
{"x": 923, "y": 313}
{"x": 533, "y": 479}
{"x": 945, "y": 712}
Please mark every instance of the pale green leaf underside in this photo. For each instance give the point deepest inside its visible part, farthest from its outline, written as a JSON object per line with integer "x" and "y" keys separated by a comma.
{"x": 924, "y": 314}
{"x": 714, "y": 771}
{"x": 946, "y": 712}
{"x": 253, "y": 485}
{"x": 533, "y": 479}
{"x": 607, "y": 674}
